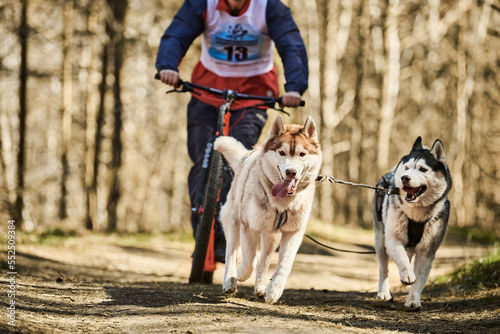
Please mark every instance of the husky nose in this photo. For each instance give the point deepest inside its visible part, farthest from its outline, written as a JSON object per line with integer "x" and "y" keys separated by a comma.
{"x": 291, "y": 173}
{"x": 405, "y": 178}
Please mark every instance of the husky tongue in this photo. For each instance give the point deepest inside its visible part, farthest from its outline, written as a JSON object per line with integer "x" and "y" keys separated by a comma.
{"x": 281, "y": 189}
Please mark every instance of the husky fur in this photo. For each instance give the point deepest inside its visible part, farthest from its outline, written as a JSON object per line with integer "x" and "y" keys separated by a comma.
{"x": 273, "y": 185}
{"x": 413, "y": 222}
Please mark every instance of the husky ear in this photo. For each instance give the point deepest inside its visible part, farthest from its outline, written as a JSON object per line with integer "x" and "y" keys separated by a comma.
{"x": 417, "y": 144}
{"x": 437, "y": 151}
{"x": 277, "y": 128}
{"x": 309, "y": 128}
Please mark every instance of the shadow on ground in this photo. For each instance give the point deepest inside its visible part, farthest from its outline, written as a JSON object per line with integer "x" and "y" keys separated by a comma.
{"x": 105, "y": 292}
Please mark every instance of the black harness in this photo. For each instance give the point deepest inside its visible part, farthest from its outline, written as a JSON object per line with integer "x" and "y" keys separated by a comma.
{"x": 416, "y": 229}
{"x": 415, "y": 232}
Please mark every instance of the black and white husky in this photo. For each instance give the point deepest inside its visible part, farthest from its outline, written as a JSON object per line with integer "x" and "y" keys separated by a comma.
{"x": 411, "y": 219}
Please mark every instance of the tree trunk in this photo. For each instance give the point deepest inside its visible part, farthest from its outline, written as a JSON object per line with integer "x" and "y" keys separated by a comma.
{"x": 23, "y": 110}
{"x": 314, "y": 56}
{"x": 355, "y": 199}
{"x": 338, "y": 24}
{"x": 469, "y": 55}
{"x": 91, "y": 125}
{"x": 117, "y": 40}
{"x": 92, "y": 222}
{"x": 4, "y": 198}
{"x": 390, "y": 87}
{"x": 67, "y": 105}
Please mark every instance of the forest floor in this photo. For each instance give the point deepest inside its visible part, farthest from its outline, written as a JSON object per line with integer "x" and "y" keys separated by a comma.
{"x": 95, "y": 283}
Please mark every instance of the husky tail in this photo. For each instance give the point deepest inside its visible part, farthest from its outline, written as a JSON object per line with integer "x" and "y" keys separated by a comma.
{"x": 231, "y": 149}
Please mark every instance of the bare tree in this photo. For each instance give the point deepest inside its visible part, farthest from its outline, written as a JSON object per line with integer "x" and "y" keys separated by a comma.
{"x": 94, "y": 160}
{"x": 67, "y": 104}
{"x": 23, "y": 110}
{"x": 390, "y": 88}
{"x": 4, "y": 197}
{"x": 90, "y": 120}
{"x": 115, "y": 31}
{"x": 337, "y": 19}
{"x": 469, "y": 47}
{"x": 381, "y": 74}
{"x": 355, "y": 200}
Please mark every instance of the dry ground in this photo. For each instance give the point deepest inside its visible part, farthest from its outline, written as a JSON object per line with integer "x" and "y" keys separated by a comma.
{"x": 109, "y": 284}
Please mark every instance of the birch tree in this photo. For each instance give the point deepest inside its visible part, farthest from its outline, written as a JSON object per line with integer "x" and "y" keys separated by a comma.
{"x": 337, "y": 21}
{"x": 390, "y": 86}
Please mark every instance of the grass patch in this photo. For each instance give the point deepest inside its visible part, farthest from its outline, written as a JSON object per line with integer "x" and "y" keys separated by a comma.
{"x": 57, "y": 233}
{"x": 481, "y": 274}
{"x": 49, "y": 237}
{"x": 475, "y": 234}
{"x": 144, "y": 239}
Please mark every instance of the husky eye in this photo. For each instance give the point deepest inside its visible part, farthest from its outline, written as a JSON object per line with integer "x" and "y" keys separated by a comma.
{"x": 406, "y": 167}
{"x": 282, "y": 153}
{"x": 423, "y": 169}
{"x": 302, "y": 154}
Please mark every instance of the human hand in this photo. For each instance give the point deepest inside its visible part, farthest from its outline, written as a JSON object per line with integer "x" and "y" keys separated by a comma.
{"x": 291, "y": 99}
{"x": 169, "y": 77}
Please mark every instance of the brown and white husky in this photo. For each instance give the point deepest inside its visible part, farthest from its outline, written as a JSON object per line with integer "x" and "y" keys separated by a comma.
{"x": 270, "y": 198}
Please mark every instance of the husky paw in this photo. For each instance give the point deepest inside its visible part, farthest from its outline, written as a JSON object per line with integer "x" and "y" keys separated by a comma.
{"x": 272, "y": 295}
{"x": 385, "y": 296}
{"x": 229, "y": 286}
{"x": 260, "y": 289}
{"x": 413, "y": 305}
{"x": 413, "y": 302}
{"x": 408, "y": 277}
{"x": 260, "y": 293}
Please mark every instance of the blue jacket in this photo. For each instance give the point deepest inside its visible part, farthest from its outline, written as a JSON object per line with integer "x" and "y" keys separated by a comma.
{"x": 188, "y": 24}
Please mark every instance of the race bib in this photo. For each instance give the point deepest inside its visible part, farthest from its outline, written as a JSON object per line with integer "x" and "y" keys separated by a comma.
{"x": 237, "y": 46}
{"x": 236, "y": 43}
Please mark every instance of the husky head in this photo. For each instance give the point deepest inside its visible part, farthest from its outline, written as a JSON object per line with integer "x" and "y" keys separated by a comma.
{"x": 293, "y": 156}
{"x": 423, "y": 175}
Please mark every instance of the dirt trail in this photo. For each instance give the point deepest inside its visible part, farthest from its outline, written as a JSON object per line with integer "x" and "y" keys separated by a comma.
{"x": 95, "y": 284}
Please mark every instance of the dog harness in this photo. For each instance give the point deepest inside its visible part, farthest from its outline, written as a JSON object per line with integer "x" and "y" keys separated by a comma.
{"x": 416, "y": 229}
{"x": 415, "y": 232}
{"x": 246, "y": 156}
{"x": 282, "y": 220}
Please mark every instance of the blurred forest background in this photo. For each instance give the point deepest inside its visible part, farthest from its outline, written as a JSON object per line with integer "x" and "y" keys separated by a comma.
{"x": 89, "y": 140}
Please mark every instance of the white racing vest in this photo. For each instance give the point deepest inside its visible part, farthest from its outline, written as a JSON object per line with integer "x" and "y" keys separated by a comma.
{"x": 237, "y": 46}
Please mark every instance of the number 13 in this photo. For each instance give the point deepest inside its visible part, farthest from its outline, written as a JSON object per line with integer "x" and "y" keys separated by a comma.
{"x": 236, "y": 53}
